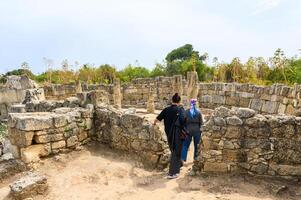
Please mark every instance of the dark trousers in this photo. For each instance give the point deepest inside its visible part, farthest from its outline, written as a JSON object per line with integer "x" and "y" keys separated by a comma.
{"x": 175, "y": 160}
{"x": 175, "y": 163}
{"x": 196, "y": 140}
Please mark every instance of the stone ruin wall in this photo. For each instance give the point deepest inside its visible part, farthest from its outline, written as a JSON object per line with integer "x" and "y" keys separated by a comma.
{"x": 16, "y": 91}
{"x": 39, "y": 134}
{"x": 241, "y": 141}
{"x": 35, "y": 135}
{"x": 275, "y": 99}
{"x": 133, "y": 134}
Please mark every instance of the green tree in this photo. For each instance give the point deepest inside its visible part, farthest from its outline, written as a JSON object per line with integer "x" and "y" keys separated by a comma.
{"x": 159, "y": 70}
{"x": 106, "y": 73}
{"x": 131, "y": 72}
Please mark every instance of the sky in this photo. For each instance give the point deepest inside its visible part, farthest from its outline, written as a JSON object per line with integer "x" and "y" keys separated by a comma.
{"x": 122, "y": 32}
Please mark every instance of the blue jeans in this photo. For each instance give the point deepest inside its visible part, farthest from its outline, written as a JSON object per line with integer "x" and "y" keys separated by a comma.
{"x": 196, "y": 140}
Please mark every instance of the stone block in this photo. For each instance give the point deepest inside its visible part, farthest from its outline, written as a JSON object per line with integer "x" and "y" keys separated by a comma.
{"x": 20, "y": 138}
{"x": 72, "y": 141}
{"x": 290, "y": 110}
{"x": 232, "y": 155}
{"x": 58, "y": 145}
{"x": 245, "y": 112}
{"x": 233, "y": 132}
{"x": 270, "y": 107}
{"x": 29, "y": 186}
{"x": 41, "y": 139}
{"x": 33, "y": 122}
{"x": 60, "y": 120}
{"x": 232, "y": 101}
{"x": 235, "y": 121}
{"x": 215, "y": 167}
{"x": 34, "y": 152}
{"x": 82, "y": 135}
{"x": 256, "y": 104}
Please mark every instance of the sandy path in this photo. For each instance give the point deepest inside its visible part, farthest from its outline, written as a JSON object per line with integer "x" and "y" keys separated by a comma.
{"x": 94, "y": 175}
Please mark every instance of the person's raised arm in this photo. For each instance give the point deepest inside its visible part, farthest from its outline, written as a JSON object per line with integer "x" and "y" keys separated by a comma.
{"x": 160, "y": 117}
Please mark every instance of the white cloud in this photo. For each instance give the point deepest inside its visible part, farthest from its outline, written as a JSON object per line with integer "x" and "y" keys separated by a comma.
{"x": 265, "y": 5}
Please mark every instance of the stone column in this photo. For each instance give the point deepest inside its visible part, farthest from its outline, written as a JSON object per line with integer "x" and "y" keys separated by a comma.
{"x": 117, "y": 93}
{"x": 192, "y": 86}
{"x": 78, "y": 87}
{"x": 151, "y": 101}
{"x": 177, "y": 86}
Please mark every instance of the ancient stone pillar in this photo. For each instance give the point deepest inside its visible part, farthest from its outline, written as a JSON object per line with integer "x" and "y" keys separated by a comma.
{"x": 192, "y": 86}
{"x": 151, "y": 101}
{"x": 117, "y": 93}
{"x": 177, "y": 86}
{"x": 78, "y": 87}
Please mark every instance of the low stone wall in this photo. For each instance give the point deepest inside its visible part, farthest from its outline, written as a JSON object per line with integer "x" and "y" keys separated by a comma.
{"x": 133, "y": 134}
{"x": 240, "y": 141}
{"x": 35, "y": 135}
{"x": 18, "y": 90}
{"x": 275, "y": 99}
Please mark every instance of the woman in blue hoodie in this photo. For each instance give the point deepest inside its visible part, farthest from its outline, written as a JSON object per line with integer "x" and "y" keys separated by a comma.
{"x": 194, "y": 121}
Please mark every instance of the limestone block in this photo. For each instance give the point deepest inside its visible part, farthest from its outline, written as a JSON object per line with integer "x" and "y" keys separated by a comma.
{"x": 256, "y": 121}
{"x": 72, "y": 141}
{"x": 281, "y": 108}
{"x": 260, "y": 168}
{"x": 29, "y": 186}
{"x": 58, "y": 145}
{"x": 290, "y": 110}
{"x": 60, "y": 120}
{"x": 235, "y": 121}
{"x": 245, "y": 112}
{"x": 34, "y": 152}
{"x": 233, "y": 132}
{"x": 256, "y": 104}
{"x": 20, "y": 138}
{"x": 217, "y": 99}
{"x": 222, "y": 112}
{"x": 270, "y": 107}
{"x": 232, "y": 155}
{"x": 215, "y": 167}
{"x": 82, "y": 135}
{"x": 232, "y": 101}
{"x": 33, "y": 122}
{"x": 244, "y": 102}
{"x": 40, "y": 139}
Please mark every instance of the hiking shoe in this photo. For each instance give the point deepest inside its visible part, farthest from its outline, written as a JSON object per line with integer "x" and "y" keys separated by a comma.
{"x": 172, "y": 176}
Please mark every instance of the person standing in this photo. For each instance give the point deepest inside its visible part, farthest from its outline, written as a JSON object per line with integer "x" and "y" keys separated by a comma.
{"x": 174, "y": 122}
{"x": 194, "y": 121}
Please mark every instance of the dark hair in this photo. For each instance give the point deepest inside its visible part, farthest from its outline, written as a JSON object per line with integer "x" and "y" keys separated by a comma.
{"x": 176, "y": 98}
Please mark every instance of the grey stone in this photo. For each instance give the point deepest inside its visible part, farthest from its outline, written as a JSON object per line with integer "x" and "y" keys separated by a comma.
{"x": 29, "y": 186}
{"x": 245, "y": 112}
{"x": 235, "y": 121}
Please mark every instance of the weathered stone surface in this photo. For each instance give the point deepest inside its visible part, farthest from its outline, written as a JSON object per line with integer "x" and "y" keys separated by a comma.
{"x": 215, "y": 167}
{"x": 33, "y": 153}
{"x": 72, "y": 141}
{"x": 245, "y": 113}
{"x": 29, "y": 186}
{"x": 270, "y": 107}
{"x": 33, "y": 122}
{"x": 58, "y": 145}
{"x": 20, "y": 138}
{"x": 235, "y": 121}
{"x": 222, "y": 112}
{"x": 11, "y": 167}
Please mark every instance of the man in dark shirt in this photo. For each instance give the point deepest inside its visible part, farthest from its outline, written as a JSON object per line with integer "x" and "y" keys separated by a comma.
{"x": 173, "y": 117}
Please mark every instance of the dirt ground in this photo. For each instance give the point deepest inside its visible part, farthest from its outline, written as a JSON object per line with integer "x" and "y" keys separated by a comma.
{"x": 99, "y": 173}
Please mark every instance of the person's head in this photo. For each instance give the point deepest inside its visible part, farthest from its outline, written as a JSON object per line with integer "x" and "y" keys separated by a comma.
{"x": 176, "y": 98}
{"x": 193, "y": 102}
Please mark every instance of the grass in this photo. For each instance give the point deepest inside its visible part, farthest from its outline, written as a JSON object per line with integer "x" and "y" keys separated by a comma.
{"x": 3, "y": 131}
